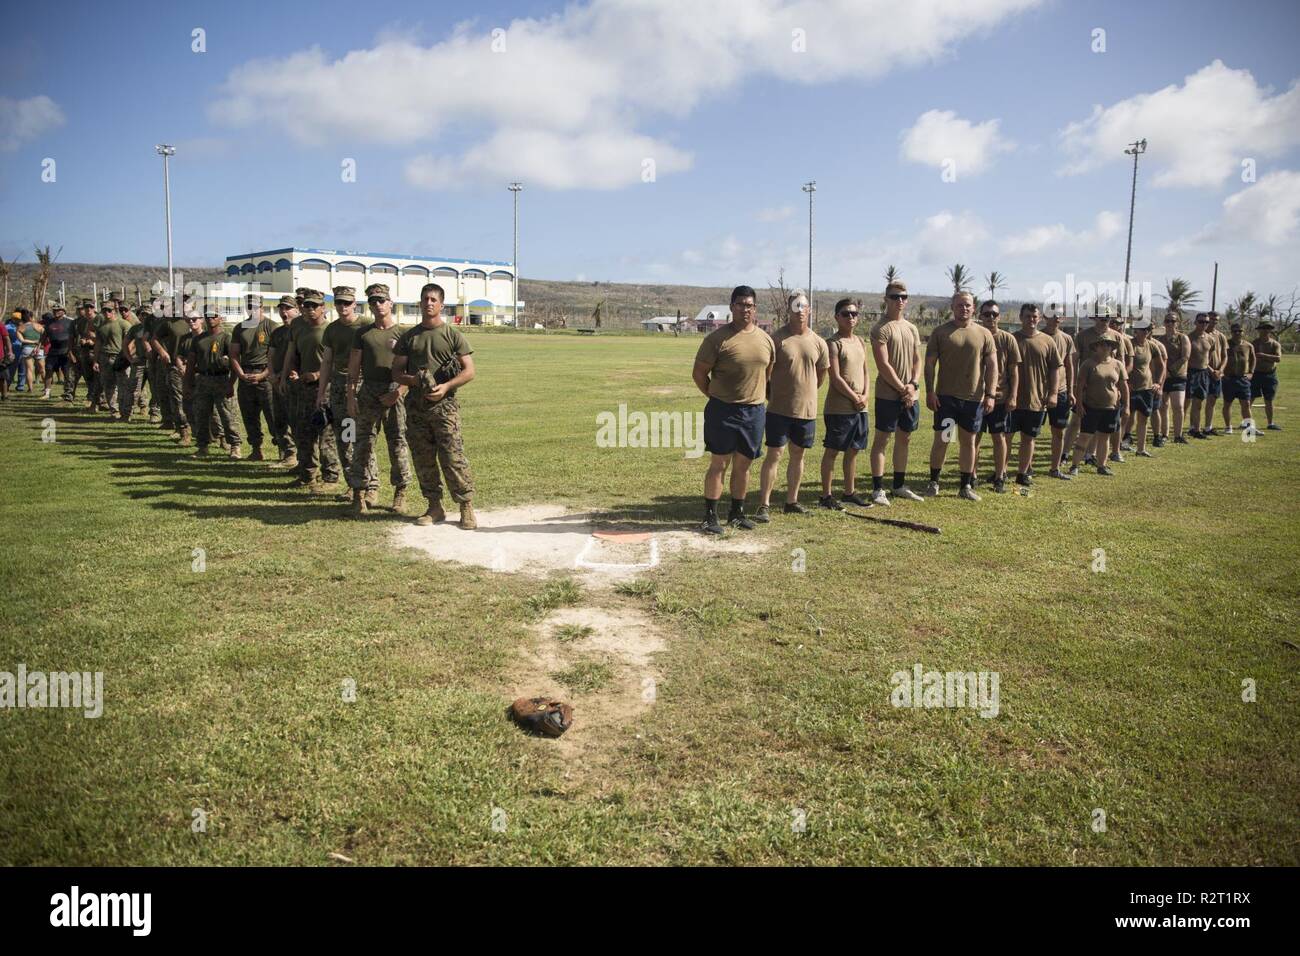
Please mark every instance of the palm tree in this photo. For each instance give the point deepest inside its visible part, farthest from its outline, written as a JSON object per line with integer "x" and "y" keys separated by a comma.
{"x": 959, "y": 277}
{"x": 891, "y": 275}
{"x": 996, "y": 280}
{"x": 1241, "y": 309}
{"x": 1179, "y": 292}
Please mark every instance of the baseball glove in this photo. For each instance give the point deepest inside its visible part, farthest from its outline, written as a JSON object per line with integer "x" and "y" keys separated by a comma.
{"x": 540, "y": 715}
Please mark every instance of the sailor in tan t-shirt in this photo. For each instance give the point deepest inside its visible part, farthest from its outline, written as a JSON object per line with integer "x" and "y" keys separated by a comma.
{"x": 963, "y": 393}
{"x": 1177, "y": 351}
{"x": 797, "y": 375}
{"x": 1216, "y": 369}
{"x": 732, "y": 367}
{"x": 896, "y": 347}
{"x": 1082, "y": 352}
{"x": 1041, "y": 379}
{"x": 844, "y": 413}
{"x": 1268, "y": 353}
{"x": 1238, "y": 367}
{"x": 998, "y": 422}
{"x": 1058, "y": 416}
{"x": 1102, "y": 393}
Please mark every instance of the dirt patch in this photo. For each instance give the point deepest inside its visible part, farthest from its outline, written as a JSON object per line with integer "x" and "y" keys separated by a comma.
{"x": 539, "y": 539}
{"x": 623, "y": 639}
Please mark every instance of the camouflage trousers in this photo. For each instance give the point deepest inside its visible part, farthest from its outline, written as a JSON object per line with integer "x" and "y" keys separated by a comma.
{"x": 155, "y": 389}
{"x": 433, "y": 431}
{"x": 316, "y": 449}
{"x": 282, "y": 402}
{"x": 371, "y": 416}
{"x": 130, "y": 389}
{"x": 338, "y": 401}
{"x": 108, "y": 379}
{"x": 175, "y": 404}
{"x": 257, "y": 402}
{"x": 210, "y": 398}
{"x": 86, "y": 356}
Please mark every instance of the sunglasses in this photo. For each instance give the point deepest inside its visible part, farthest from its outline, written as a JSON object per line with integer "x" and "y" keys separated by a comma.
{"x": 989, "y": 315}
{"x": 376, "y": 298}
{"x": 897, "y": 296}
{"x": 849, "y": 315}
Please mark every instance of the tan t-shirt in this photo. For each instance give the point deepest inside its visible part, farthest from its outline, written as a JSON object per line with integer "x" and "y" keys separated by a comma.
{"x": 1140, "y": 378}
{"x": 1268, "y": 352}
{"x": 1008, "y": 351}
{"x": 902, "y": 344}
{"x": 1220, "y": 348}
{"x": 1099, "y": 382}
{"x": 962, "y": 353}
{"x": 1179, "y": 350}
{"x": 794, "y": 378}
{"x": 739, "y": 362}
{"x": 1083, "y": 345}
{"x": 1065, "y": 348}
{"x": 1241, "y": 359}
{"x": 1201, "y": 353}
{"x": 1040, "y": 357}
{"x": 851, "y": 356}
{"x": 1159, "y": 359}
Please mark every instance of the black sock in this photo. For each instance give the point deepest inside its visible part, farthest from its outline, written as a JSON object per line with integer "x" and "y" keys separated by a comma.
{"x": 900, "y": 479}
{"x": 934, "y": 474}
{"x": 737, "y": 506}
{"x": 967, "y": 479}
{"x": 877, "y": 482}
{"x": 710, "y": 507}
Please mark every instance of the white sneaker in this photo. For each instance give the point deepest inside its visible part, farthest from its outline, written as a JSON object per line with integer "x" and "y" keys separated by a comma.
{"x": 907, "y": 494}
{"x": 968, "y": 493}
{"x": 1226, "y": 431}
{"x": 878, "y": 497}
{"x": 931, "y": 489}
{"x": 47, "y": 394}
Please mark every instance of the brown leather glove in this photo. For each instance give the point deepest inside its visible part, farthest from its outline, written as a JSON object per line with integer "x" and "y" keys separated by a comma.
{"x": 540, "y": 715}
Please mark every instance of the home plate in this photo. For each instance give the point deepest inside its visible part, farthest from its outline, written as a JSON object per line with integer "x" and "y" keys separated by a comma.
{"x": 619, "y": 551}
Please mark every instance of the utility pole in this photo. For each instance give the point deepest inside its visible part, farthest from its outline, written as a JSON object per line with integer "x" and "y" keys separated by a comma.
{"x": 810, "y": 187}
{"x": 1135, "y": 150}
{"x": 1214, "y": 288}
{"x": 166, "y": 151}
{"x": 514, "y": 265}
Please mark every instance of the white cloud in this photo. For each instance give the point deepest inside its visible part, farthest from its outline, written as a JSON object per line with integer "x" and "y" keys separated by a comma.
{"x": 591, "y": 75}
{"x": 939, "y": 137}
{"x": 1197, "y": 134}
{"x": 948, "y": 237}
{"x": 1037, "y": 238}
{"x": 775, "y": 214}
{"x": 25, "y": 120}
{"x": 1265, "y": 212}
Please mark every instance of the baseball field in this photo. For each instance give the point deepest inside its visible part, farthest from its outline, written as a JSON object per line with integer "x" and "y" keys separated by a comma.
{"x": 284, "y": 684}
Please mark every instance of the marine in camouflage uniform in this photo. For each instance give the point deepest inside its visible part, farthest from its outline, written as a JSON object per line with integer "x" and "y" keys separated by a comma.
{"x": 333, "y": 388}
{"x": 250, "y": 362}
{"x": 375, "y": 401}
{"x": 169, "y": 335}
{"x": 424, "y": 359}
{"x": 318, "y": 459}
{"x": 131, "y": 381}
{"x": 277, "y": 356}
{"x": 207, "y": 376}
{"x": 85, "y": 328}
{"x": 109, "y": 338}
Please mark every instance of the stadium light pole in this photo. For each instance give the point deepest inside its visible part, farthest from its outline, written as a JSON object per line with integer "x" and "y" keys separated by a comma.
{"x": 514, "y": 265}
{"x": 166, "y": 151}
{"x": 810, "y": 187}
{"x": 1135, "y": 150}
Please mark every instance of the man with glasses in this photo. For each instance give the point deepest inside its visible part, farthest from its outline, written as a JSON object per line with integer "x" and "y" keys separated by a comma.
{"x": 896, "y": 346}
{"x": 318, "y": 460}
{"x": 844, "y": 412}
{"x": 1038, "y": 387}
{"x": 1058, "y": 415}
{"x": 110, "y": 337}
{"x": 333, "y": 391}
{"x": 1177, "y": 351}
{"x": 1082, "y": 353}
{"x": 998, "y": 422}
{"x": 250, "y": 351}
{"x": 1202, "y": 357}
{"x": 1238, "y": 368}
{"x": 277, "y": 357}
{"x": 732, "y": 367}
{"x": 967, "y": 362}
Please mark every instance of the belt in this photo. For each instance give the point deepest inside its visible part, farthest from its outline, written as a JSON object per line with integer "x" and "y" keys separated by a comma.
{"x": 254, "y": 368}
{"x": 216, "y": 374}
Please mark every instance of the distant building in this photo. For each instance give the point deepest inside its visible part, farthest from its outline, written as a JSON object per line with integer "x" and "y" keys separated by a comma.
{"x": 668, "y": 323}
{"x": 715, "y": 316}
{"x": 479, "y": 292}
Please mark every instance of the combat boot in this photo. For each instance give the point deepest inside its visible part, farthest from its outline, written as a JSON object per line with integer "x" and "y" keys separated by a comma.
{"x": 399, "y": 499}
{"x": 257, "y": 454}
{"x": 467, "y": 520}
{"x": 432, "y": 515}
{"x": 372, "y": 496}
{"x": 185, "y": 435}
{"x": 234, "y": 453}
{"x": 359, "y": 502}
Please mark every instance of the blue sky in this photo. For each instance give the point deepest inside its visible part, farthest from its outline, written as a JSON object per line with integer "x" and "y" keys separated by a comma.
{"x": 733, "y": 115}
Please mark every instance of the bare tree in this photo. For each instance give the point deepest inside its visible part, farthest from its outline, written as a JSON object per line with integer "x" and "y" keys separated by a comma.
{"x": 778, "y": 298}
{"x": 5, "y": 268}
{"x": 41, "y": 281}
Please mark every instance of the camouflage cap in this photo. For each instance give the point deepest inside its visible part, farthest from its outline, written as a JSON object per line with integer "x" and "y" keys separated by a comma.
{"x": 1266, "y": 324}
{"x": 345, "y": 293}
{"x": 87, "y": 303}
{"x": 312, "y": 297}
{"x": 287, "y": 301}
{"x": 377, "y": 288}
{"x": 1106, "y": 339}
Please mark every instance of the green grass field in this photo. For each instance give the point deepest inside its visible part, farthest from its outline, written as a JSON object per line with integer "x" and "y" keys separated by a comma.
{"x": 1120, "y": 691}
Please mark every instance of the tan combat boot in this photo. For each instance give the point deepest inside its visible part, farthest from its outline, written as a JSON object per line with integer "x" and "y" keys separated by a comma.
{"x": 185, "y": 435}
{"x": 467, "y": 520}
{"x": 399, "y": 499}
{"x": 372, "y": 497}
{"x": 234, "y": 452}
{"x": 433, "y": 515}
{"x": 358, "y": 502}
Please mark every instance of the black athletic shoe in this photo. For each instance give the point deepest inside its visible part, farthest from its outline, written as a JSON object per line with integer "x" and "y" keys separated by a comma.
{"x": 710, "y": 525}
{"x": 738, "y": 520}
{"x": 1181, "y": 440}
{"x": 1024, "y": 480}
{"x": 855, "y": 499}
{"x": 762, "y": 515}
{"x": 999, "y": 486}
{"x": 1103, "y": 470}
{"x": 794, "y": 508}
{"x": 1057, "y": 473}
{"x": 830, "y": 504}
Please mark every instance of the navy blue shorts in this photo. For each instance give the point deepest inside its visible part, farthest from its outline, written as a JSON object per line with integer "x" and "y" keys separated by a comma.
{"x": 969, "y": 415}
{"x": 1216, "y": 387}
{"x": 1264, "y": 383}
{"x": 845, "y": 431}
{"x": 1174, "y": 383}
{"x": 1235, "y": 387}
{"x": 998, "y": 421}
{"x": 733, "y": 428}
{"x": 1104, "y": 420}
{"x": 1028, "y": 423}
{"x": 891, "y": 415}
{"x": 1143, "y": 400}
{"x": 56, "y": 362}
{"x": 1198, "y": 383}
{"x": 1059, "y": 417}
{"x": 783, "y": 428}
